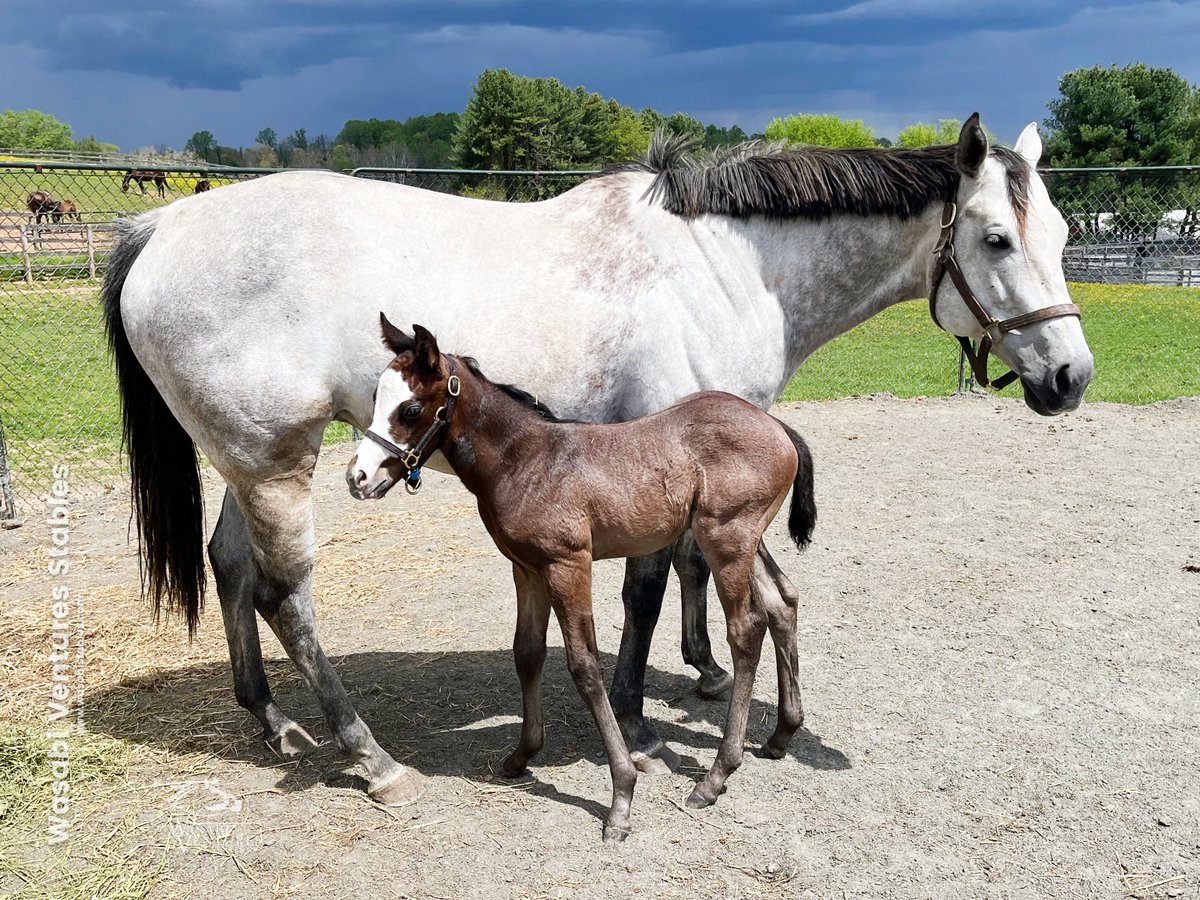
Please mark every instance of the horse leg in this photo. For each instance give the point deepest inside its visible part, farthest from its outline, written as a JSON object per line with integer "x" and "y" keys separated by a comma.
{"x": 570, "y": 590}
{"x": 732, "y": 559}
{"x": 529, "y": 652}
{"x": 781, "y": 602}
{"x": 645, "y": 584}
{"x": 693, "y": 572}
{"x": 236, "y": 572}
{"x": 278, "y": 515}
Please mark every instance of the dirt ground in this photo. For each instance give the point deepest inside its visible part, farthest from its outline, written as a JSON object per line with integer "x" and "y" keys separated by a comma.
{"x": 999, "y": 639}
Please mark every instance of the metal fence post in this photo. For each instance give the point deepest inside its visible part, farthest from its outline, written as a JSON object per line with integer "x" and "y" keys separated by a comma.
{"x": 8, "y": 506}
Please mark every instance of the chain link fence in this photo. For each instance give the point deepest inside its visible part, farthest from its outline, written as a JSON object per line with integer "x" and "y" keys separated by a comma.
{"x": 1133, "y": 260}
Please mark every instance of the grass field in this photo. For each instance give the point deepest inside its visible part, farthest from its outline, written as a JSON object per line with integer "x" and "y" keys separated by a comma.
{"x": 97, "y": 193}
{"x": 58, "y": 400}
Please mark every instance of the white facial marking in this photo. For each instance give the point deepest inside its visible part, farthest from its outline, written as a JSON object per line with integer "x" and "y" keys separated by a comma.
{"x": 393, "y": 391}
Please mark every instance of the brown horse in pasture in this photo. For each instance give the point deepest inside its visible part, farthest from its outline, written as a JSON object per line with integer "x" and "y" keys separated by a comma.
{"x": 556, "y": 495}
{"x": 41, "y": 204}
{"x": 141, "y": 176}
{"x": 65, "y": 209}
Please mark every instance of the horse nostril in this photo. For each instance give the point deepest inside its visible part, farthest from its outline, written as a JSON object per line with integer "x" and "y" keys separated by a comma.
{"x": 1062, "y": 381}
{"x": 362, "y": 478}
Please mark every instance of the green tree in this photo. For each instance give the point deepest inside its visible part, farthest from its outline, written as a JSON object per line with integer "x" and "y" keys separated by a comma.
{"x": 821, "y": 130}
{"x": 267, "y": 137}
{"x": 514, "y": 122}
{"x": 716, "y": 136}
{"x": 630, "y": 137}
{"x": 1132, "y": 115}
{"x": 924, "y": 134}
{"x": 682, "y": 123}
{"x": 1118, "y": 116}
{"x": 34, "y": 130}
{"x": 91, "y": 144}
{"x": 203, "y": 144}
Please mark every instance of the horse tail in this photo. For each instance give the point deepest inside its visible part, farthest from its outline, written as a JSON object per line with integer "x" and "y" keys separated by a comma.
{"x": 168, "y": 502}
{"x": 802, "y": 517}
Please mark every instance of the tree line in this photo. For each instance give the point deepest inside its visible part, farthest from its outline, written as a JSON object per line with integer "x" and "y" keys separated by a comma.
{"x": 1133, "y": 115}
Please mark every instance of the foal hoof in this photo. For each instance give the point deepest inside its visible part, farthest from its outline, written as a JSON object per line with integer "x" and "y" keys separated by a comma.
{"x": 290, "y": 743}
{"x": 615, "y": 834}
{"x": 404, "y": 788}
{"x": 662, "y": 760}
{"x": 716, "y": 685}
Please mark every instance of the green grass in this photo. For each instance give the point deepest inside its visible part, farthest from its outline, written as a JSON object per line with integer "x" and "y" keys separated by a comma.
{"x": 1144, "y": 338}
{"x": 101, "y": 859}
{"x": 97, "y": 193}
{"x": 58, "y": 401}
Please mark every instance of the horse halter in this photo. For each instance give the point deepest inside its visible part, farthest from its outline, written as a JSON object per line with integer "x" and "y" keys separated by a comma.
{"x": 993, "y": 329}
{"x": 412, "y": 459}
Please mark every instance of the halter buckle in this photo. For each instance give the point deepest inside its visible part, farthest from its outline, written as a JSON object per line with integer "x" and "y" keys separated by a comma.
{"x": 454, "y": 386}
{"x": 412, "y": 481}
{"x": 412, "y": 461}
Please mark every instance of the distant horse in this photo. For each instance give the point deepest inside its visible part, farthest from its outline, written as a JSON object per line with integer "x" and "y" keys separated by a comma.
{"x": 557, "y": 495}
{"x": 65, "y": 209}
{"x": 203, "y": 185}
{"x": 238, "y": 330}
{"x": 41, "y": 204}
{"x": 141, "y": 176}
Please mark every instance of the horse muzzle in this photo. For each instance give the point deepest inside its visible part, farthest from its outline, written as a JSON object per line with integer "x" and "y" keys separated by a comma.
{"x": 363, "y": 487}
{"x": 1061, "y": 391}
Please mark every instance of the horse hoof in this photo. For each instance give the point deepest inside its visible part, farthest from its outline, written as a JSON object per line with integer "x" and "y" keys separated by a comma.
{"x": 769, "y": 751}
{"x": 715, "y": 685}
{"x": 615, "y": 834}
{"x": 404, "y": 788}
{"x": 291, "y": 743}
{"x": 660, "y": 761}
{"x": 699, "y": 800}
{"x": 512, "y": 767}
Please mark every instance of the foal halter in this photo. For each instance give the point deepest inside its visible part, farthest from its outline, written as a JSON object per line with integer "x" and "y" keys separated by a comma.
{"x": 412, "y": 459}
{"x": 993, "y": 329}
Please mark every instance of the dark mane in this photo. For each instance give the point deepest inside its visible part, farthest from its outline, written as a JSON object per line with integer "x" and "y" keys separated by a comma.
{"x": 523, "y": 397}
{"x": 771, "y": 179}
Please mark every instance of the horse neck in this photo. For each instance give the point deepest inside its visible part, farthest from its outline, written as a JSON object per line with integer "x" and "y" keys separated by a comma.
{"x": 833, "y": 274}
{"x": 486, "y": 432}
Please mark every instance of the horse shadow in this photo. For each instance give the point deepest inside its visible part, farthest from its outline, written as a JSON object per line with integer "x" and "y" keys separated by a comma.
{"x": 455, "y": 713}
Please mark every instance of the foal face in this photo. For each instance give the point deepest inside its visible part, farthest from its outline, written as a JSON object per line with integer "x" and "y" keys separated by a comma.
{"x": 410, "y": 392}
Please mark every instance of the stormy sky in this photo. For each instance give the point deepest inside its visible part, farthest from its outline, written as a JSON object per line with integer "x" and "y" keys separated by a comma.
{"x": 140, "y": 72}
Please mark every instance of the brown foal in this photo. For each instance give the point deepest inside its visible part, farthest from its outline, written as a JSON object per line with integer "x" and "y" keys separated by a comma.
{"x": 556, "y": 495}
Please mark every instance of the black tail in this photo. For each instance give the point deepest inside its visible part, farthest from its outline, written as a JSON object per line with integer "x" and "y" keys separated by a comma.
{"x": 803, "y": 515}
{"x": 167, "y": 500}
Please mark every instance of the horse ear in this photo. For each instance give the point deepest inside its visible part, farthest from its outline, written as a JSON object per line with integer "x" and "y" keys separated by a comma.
{"x": 425, "y": 349}
{"x": 393, "y": 338}
{"x": 1029, "y": 144}
{"x": 972, "y": 147}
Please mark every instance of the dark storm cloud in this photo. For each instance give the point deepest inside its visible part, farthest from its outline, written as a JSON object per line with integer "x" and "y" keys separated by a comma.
{"x": 158, "y": 71}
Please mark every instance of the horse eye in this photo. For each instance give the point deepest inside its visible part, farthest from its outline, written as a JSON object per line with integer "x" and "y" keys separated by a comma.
{"x": 411, "y": 412}
{"x": 998, "y": 241}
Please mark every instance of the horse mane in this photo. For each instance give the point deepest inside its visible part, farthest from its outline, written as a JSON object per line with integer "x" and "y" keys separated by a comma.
{"x": 772, "y": 179}
{"x": 523, "y": 397}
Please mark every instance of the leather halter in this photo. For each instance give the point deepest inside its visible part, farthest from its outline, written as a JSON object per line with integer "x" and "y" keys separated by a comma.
{"x": 993, "y": 329}
{"x": 412, "y": 459}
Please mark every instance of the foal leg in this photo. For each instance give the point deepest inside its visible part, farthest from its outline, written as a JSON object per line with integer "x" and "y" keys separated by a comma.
{"x": 645, "y": 584}
{"x": 529, "y": 652}
{"x": 570, "y": 591}
{"x": 278, "y": 514}
{"x": 236, "y": 572}
{"x": 693, "y": 572}
{"x": 733, "y": 559}
{"x": 780, "y": 602}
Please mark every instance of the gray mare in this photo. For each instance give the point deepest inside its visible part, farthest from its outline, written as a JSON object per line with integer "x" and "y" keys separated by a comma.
{"x": 244, "y": 319}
